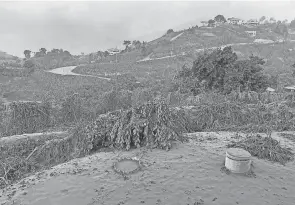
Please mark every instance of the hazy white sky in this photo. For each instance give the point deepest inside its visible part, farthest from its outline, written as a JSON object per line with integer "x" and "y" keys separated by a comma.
{"x": 92, "y": 26}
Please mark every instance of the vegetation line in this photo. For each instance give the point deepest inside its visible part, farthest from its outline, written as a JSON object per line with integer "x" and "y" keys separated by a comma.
{"x": 202, "y": 49}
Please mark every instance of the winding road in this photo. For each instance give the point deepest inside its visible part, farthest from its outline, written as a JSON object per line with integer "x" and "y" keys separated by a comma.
{"x": 68, "y": 70}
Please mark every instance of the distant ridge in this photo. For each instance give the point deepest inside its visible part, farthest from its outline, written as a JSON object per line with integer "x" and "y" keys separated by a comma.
{"x": 5, "y": 56}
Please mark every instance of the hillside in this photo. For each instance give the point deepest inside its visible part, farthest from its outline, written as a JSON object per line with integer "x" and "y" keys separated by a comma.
{"x": 171, "y": 51}
{"x": 72, "y": 132}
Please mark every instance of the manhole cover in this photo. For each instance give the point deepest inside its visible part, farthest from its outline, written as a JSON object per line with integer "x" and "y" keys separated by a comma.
{"x": 126, "y": 166}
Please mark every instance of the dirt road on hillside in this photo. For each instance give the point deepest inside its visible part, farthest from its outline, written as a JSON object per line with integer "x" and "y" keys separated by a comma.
{"x": 68, "y": 70}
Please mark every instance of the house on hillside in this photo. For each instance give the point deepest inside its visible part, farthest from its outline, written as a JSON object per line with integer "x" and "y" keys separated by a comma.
{"x": 234, "y": 21}
{"x": 251, "y": 32}
{"x": 252, "y": 22}
{"x": 113, "y": 51}
{"x": 290, "y": 88}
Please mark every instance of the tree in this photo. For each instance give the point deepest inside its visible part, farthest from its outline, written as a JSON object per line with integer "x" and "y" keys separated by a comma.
{"x": 28, "y": 63}
{"x": 27, "y": 54}
{"x": 281, "y": 29}
{"x": 220, "y": 71}
{"x": 38, "y": 54}
{"x": 67, "y": 53}
{"x": 90, "y": 58}
{"x": 43, "y": 51}
{"x": 106, "y": 53}
{"x": 220, "y": 18}
{"x": 247, "y": 75}
{"x": 136, "y": 44}
{"x": 262, "y": 19}
{"x": 55, "y": 51}
{"x": 272, "y": 19}
{"x": 169, "y": 31}
{"x": 126, "y": 43}
{"x": 100, "y": 54}
{"x": 285, "y": 21}
{"x": 211, "y": 23}
{"x": 292, "y": 24}
{"x": 144, "y": 51}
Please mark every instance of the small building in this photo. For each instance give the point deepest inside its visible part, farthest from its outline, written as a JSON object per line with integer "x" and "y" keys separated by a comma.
{"x": 234, "y": 21}
{"x": 113, "y": 51}
{"x": 252, "y": 22}
{"x": 251, "y": 33}
{"x": 290, "y": 88}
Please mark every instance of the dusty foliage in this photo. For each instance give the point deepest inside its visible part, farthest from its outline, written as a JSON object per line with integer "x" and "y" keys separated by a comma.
{"x": 18, "y": 156}
{"x": 265, "y": 148}
{"x": 98, "y": 132}
{"x": 26, "y": 117}
{"x": 152, "y": 124}
{"x": 216, "y": 112}
{"x": 71, "y": 108}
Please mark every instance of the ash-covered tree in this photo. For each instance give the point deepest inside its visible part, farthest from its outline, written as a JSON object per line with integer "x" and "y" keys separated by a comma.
{"x": 67, "y": 53}
{"x": 211, "y": 23}
{"x": 220, "y": 70}
{"x": 29, "y": 63}
{"x": 106, "y": 54}
{"x": 262, "y": 19}
{"x": 137, "y": 44}
{"x": 281, "y": 29}
{"x": 292, "y": 24}
{"x": 247, "y": 75}
{"x": 55, "y": 51}
{"x": 220, "y": 18}
{"x": 126, "y": 44}
{"x": 27, "y": 54}
{"x": 43, "y": 51}
{"x": 169, "y": 31}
